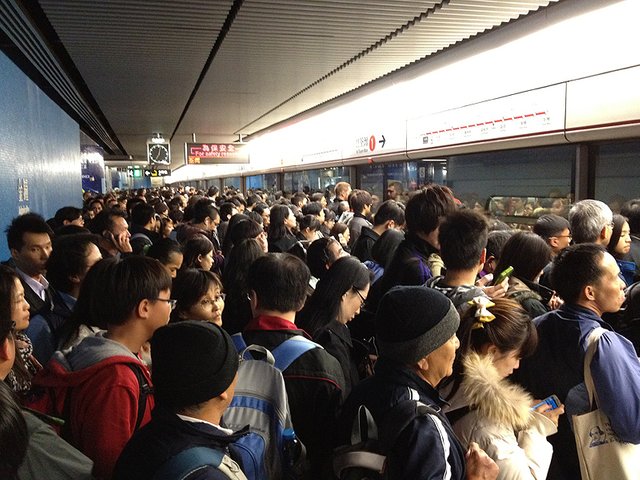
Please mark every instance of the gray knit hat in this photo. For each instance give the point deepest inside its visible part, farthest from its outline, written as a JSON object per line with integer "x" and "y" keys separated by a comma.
{"x": 412, "y": 322}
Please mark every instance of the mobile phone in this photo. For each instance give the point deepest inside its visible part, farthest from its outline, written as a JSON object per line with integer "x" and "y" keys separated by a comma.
{"x": 504, "y": 274}
{"x": 551, "y": 400}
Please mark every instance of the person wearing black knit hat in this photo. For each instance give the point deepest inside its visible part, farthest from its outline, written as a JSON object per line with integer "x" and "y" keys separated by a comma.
{"x": 416, "y": 336}
{"x": 195, "y": 369}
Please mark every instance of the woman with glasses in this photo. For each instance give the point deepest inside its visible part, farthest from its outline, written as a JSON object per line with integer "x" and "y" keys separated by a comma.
{"x": 337, "y": 299}
{"x": 198, "y": 296}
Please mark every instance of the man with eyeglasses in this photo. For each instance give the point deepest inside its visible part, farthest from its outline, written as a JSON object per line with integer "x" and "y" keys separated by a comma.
{"x": 100, "y": 387}
{"x": 556, "y": 231}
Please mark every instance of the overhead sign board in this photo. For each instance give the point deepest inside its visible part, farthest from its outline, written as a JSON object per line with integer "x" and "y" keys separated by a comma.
{"x": 215, "y": 153}
{"x": 157, "y": 172}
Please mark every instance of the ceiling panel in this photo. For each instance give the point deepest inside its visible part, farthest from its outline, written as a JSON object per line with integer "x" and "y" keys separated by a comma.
{"x": 142, "y": 59}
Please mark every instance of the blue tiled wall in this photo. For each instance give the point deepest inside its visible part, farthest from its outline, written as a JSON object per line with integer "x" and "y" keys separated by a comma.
{"x": 39, "y": 143}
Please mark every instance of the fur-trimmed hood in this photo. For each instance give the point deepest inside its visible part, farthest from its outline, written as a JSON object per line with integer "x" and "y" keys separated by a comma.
{"x": 495, "y": 398}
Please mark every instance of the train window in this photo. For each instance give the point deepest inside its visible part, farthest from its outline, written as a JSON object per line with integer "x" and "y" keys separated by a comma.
{"x": 397, "y": 180}
{"x": 521, "y": 212}
{"x": 317, "y": 180}
{"x": 617, "y": 172}
{"x": 267, "y": 182}
{"x": 535, "y": 173}
{"x": 234, "y": 182}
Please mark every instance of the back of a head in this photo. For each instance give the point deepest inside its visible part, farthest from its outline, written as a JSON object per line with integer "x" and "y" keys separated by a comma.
{"x": 550, "y": 225}
{"x": 239, "y": 260}
{"x": 243, "y": 230}
{"x": 202, "y": 209}
{"x": 142, "y": 214}
{"x": 425, "y": 208}
{"x": 496, "y": 241}
{"x": 162, "y": 249}
{"x": 279, "y": 281}
{"x": 631, "y": 210}
{"x": 463, "y": 237}
{"x": 527, "y": 253}
{"x": 576, "y": 267}
{"x": 14, "y": 436}
{"x": 412, "y": 322}
{"x": 318, "y": 256}
{"x": 113, "y": 288}
{"x": 8, "y": 278}
{"x": 387, "y": 211}
{"x": 193, "y": 362}
{"x": 312, "y": 208}
{"x": 385, "y": 247}
{"x": 587, "y": 219}
{"x": 67, "y": 213}
{"x": 69, "y": 259}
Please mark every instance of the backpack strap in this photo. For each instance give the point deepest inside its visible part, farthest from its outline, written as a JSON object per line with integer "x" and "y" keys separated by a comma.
{"x": 399, "y": 418}
{"x": 290, "y": 350}
{"x": 187, "y": 462}
{"x": 238, "y": 341}
{"x": 145, "y": 390}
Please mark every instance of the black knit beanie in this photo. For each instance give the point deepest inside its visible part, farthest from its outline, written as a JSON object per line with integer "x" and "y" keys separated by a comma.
{"x": 193, "y": 362}
{"x": 413, "y": 321}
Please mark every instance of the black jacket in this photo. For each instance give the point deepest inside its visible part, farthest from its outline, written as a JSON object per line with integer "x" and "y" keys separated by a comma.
{"x": 364, "y": 244}
{"x": 163, "y": 437}
{"x": 336, "y": 339}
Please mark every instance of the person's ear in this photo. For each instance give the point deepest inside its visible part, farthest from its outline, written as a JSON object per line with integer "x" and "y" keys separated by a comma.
{"x": 199, "y": 258}
{"x": 483, "y": 256}
{"x": 253, "y": 301}
{"x": 423, "y": 363}
{"x": 143, "y": 308}
{"x": 589, "y": 292}
{"x": 75, "y": 279}
{"x": 5, "y": 350}
{"x": 553, "y": 242}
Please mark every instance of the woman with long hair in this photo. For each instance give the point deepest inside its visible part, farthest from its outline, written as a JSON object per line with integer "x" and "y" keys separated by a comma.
{"x": 488, "y": 409}
{"x": 282, "y": 223}
{"x": 197, "y": 253}
{"x": 198, "y": 295}
{"x": 237, "y": 312}
{"x": 14, "y": 306}
{"x": 338, "y": 297}
{"x": 528, "y": 254}
{"x": 619, "y": 246}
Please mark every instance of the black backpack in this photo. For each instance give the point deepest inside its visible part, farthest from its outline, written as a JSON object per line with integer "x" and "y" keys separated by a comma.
{"x": 365, "y": 458}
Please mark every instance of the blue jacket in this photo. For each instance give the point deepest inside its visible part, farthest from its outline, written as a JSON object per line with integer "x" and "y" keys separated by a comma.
{"x": 427, "y": 449}
{"x": 557, "y": 368}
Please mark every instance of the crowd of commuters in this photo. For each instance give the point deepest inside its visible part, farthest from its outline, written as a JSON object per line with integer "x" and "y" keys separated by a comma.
{"x": 115, "y": 324}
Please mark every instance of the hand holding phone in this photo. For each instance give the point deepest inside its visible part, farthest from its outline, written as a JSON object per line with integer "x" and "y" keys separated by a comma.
{"x": 550, "y": 407}
{"x": 506, "y": 273}
{"x": 552, "y": 400}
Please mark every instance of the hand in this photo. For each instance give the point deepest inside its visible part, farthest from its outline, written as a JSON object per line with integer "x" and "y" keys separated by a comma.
{"x": 485, "y": 281}
{"x": 121, "y": 241}
{"x": 497, "y": 291}
{"x": 479, "y": 465}
{"x": 555, "y": 302}
{"x": 547, "y": 411}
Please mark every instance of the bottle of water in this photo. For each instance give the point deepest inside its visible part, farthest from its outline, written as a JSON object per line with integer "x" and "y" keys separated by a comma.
{"x": 292, "y": 450}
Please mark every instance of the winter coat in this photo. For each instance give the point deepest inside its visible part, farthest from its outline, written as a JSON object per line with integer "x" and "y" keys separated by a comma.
{"x": 501, "y": 422}
{"x": 165, "y": 436}
{"x": 355, "y": 227}
{"x": 336, "y": 339}
{"x": 556, "y": 367}
{"x": 47, "y": 452}
{"x": 103, "y": 397}
{"x": 427, "y": 449}
{"x": 362, "y": 247}
{"x": 315, "y": 386}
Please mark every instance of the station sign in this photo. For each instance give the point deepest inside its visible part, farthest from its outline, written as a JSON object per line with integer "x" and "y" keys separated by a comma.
{"x": 215, "y": 153}
{"x": 157, "y": 172}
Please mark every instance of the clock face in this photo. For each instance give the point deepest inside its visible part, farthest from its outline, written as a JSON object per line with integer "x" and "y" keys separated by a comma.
{"x": 158, "y": 153}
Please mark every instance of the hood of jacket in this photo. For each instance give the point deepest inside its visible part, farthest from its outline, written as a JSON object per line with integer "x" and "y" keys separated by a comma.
{"x": 73, "y": 367}
{"x": 494, "y": 397}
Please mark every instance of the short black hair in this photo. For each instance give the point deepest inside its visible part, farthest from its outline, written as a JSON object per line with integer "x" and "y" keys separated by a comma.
{"x": 318, "y": 256}
{"x": 188, "y": 287}
{"x": 576, "y": 267}
{"x": 309, "y": 221}
{"x": 67, "y": 213}
{"x": 280, "y": 282}
{"x": 495, "y": 242}
{"x": 359, "y": 199}
{"x": 142, "y": 214}
{"x": 425, "y": 208}
{"x": 631, "y": 210}
{"x": 550, "y": 225}
{"x": 113, "y": 288}
{"x": 68, "y": 258}
{"x": 527, "y": 253}
{"x": 312, "y": 208}
{"x": 202, "y": 209}
{"x": 162, "y": 249}
{"x": 389, "y": 210}
{"x": 463, "y": 237}
{"x": 226, "y": 209}
{"x": 104, "y": 221}
{"x": 26, "y": 223}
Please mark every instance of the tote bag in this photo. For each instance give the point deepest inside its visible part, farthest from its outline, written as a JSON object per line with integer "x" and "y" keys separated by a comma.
{"x": 601, "y": 453}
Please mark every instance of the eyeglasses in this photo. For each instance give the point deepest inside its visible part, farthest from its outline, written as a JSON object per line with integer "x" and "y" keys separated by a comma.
{"x": 362, "y": 299}
{"x": 172, "y": 302}
{"x": 563, "y": 236}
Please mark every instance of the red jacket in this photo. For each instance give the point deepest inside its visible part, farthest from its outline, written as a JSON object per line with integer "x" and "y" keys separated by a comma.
{"x": 103, "y": 398}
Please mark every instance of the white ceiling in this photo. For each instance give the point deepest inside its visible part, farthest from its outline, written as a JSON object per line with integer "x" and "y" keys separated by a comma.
{"x": 217, "y": 68}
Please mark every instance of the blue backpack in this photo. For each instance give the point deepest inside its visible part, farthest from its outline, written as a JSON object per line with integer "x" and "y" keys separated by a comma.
{"x": 260, "y": 399}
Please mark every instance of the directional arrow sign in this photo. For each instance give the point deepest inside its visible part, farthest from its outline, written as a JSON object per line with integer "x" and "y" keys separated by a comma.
{"x": 382, "y": 141}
